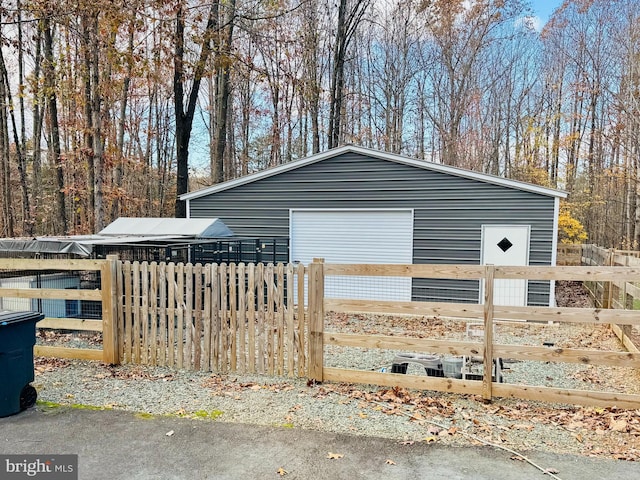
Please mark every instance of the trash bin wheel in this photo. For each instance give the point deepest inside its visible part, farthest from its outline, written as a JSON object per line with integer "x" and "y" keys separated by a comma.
{"x": 28, "y": 397}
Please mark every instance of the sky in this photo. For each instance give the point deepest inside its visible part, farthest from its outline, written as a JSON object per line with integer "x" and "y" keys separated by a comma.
{"x": 544, "y": 8}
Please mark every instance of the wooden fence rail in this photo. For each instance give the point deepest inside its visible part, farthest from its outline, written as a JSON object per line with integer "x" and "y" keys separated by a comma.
{"x": 226, "y": 318}
{"x": 489, "y": 313}
{"x": 105, "y": 295}
{"x": 252, "y": 318}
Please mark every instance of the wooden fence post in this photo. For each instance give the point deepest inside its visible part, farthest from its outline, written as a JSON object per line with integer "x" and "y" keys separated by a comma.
{"x": 110, "y": 311}
{"x": 316, "y": 319}
{"x": 607, "y": 287}
{"x": 487, "y": 378}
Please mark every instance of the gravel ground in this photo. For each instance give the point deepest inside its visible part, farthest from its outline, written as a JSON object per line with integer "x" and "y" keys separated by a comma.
{"x": 408, "y": 416}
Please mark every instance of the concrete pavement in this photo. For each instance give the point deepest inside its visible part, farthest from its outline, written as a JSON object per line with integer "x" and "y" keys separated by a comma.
{"x": 115, "y": 445}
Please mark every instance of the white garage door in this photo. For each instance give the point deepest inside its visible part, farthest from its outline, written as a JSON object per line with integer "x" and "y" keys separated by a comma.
{"x": 356, "y": 236}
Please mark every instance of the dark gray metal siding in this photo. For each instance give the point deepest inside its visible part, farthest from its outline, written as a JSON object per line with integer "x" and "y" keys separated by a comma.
{"x": 449, "y": 212}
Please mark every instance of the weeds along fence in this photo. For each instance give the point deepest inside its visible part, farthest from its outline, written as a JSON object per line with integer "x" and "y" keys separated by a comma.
{"x": 489, "y": 314}
{"x": 55, "y": 287}
{"x": 224, "y": 318}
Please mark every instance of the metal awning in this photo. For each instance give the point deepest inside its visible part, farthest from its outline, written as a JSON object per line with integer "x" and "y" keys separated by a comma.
{"x": 124, "y": 231}
{"x": 175, "y": 227}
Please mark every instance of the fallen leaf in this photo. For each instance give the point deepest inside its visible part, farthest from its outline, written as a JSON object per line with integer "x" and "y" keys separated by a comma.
{"x": 523, "y": 427}
{"x": 281, "y": 471}
{"x": 430, "y": 439}
{"x": 169, "y": 433}
{"x": 362, "y": 415}
{"x": 553, "y": 471}
{"x": 619, "y": 425}
{"x": 390, "y": 462}
{"x": 334, "y": 456}
{"x": 516, "y": 457}
{"x": 407, "y": 442}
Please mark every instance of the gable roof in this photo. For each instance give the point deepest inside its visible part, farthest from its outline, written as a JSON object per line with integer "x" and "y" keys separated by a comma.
{"x": 391, "y": 157}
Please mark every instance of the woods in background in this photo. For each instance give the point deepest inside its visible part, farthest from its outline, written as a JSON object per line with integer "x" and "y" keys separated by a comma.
{"x": 113, "y": 108}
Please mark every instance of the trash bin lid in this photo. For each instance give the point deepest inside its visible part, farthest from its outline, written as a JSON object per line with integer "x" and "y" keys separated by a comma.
{"x": 7, "y": 318}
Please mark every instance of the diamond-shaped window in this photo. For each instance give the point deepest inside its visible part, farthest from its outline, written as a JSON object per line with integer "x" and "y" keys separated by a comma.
{"x": 505, "y": 244}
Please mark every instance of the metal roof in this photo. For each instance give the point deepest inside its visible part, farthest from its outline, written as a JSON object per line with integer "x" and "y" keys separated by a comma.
{"x": 460, "y": 172}
{"x": 167, "y": 227}
{"x": 123, "y": 231}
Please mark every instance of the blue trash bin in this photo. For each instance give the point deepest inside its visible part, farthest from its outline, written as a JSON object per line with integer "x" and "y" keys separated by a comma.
{"x": 17, "y": 338}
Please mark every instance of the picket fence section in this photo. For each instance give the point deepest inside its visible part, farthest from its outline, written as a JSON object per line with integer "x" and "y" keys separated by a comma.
{"x": 216, "y": 317}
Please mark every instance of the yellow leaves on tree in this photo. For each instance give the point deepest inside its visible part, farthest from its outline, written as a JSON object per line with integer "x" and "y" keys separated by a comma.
{"x": 570, "y": 229}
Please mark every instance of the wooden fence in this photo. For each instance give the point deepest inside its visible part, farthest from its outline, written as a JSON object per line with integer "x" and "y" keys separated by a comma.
{"x": 106, "y": 294}
{"x": 226, "y": 318}
{"x": 488, "y": 312}
{"x": 251, "y": 318}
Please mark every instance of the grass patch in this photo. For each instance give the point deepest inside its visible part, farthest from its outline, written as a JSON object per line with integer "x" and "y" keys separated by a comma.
{"x": 81, "y": 406}
{"x": 145, "y": 415}
{"x": 286, "y": 425}
{"x": 213, "y": 414}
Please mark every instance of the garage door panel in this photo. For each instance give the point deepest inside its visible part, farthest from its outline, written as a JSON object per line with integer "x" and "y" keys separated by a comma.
{"x": 356, "y": 236}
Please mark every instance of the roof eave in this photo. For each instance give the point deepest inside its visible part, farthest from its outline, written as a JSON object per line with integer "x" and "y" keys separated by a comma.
{"x": 482, "y": 177}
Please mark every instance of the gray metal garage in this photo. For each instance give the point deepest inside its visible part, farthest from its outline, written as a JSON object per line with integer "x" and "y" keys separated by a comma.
{"x": 356, "y": 205}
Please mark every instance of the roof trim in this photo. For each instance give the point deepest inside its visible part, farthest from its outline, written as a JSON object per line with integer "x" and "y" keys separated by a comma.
{"x": 425, "y": 165}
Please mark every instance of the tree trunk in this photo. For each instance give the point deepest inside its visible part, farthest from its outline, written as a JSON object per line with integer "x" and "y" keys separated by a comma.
{"x": 184, "y": 117}
{"x": 96, "y": 120}
{"x": 222, "y": 61}
{"x": 54, "y": 134}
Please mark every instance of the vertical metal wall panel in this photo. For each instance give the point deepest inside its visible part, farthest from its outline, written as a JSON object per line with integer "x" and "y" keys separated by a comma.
{"x": 449, "y": 211}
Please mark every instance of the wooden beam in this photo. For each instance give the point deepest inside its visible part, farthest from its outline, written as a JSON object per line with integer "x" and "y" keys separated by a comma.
{"x": 402, "y": 270}
{"x": 51, "y": 293}
{"x": 444, "y": 309}
{"x": 40, "y": 264}
{"x": 465, "y": 310}
{"x": 567, "y": 314}
{"x": 65, "y": 352}
{"x": 417, "y": 382}
{"x": 568, "y": 355}
{"x": 71, "y": 324}
{"x": 487, "y": 358}
{"x": 558, "y": 395}
{"x": 316, "y": 319}
{"x": 597, "y": 273}
{"x": 624, "y": 339}
{"x": 110, "y": 310}
{"x": 525, "y": 392}
{"x": 407, "y": 344}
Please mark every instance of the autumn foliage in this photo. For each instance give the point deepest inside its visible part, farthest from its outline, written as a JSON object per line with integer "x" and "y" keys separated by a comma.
{"x": 114, "y": 108}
